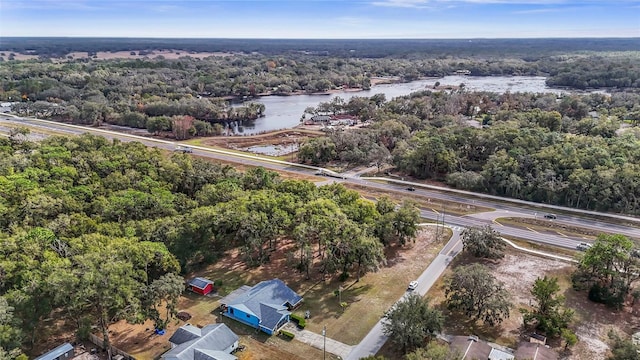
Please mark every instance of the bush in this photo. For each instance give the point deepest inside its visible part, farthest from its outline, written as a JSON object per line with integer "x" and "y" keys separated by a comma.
{"x": 604, "y": 295}
{"x": 84, "y": 329}
{"x": 287, "y": 334}
{"x": 343, "y": 276}
{"x": 302, "y": 323}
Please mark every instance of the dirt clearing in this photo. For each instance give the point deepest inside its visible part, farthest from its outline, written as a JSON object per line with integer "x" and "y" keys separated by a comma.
{"x": 519, "y": 271}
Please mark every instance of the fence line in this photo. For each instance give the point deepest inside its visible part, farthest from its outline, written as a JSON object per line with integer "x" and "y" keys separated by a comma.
{"x": 114, "y": 350}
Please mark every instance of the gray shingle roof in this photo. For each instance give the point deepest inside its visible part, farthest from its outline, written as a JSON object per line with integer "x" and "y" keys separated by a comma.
{"x": 55, "y": 353}
{"x": 268, "y": 300}
{"x": 497, "y": 354}
{"x": 535, "y": 352}
{"x": 212, "y": 355}
{"x": 235, "y": 294}
{"x": 200, "y": 283}
{"x": 270, "y": 315}
{"x": 214, "y": 340}
{"x": 320, "y": 118}
{"x": 184, "y": 334}
{"x": 470, "y": 349}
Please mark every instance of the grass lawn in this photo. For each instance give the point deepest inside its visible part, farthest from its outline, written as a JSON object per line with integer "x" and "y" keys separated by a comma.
{"x": 544, "y": 248}
{"x": 367, "y": 299}
{"x": 283, "y": 173}
{"x": 546, "y": 226}
{"x": 436, "y": 205}
{"x": 260, "y": 346}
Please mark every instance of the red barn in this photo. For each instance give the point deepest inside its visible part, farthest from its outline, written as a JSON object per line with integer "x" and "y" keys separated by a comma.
{"x": 201, "y": 285}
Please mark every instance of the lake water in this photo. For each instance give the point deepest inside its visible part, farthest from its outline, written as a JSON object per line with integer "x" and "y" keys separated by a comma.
{"x": 284, "y": 112}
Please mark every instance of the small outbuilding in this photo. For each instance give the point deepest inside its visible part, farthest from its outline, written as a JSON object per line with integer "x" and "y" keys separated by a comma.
{"x": 62, "y": 352}
{"x": 200, "y": 285}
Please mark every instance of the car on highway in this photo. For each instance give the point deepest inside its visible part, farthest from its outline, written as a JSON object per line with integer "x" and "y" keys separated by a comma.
{"x": 583, "y": 246}
{"x": 183, "y": 149}
{"x": 550, "y": 216}
{"x": 411, "y": 188}
{"x": 413, "y": 285}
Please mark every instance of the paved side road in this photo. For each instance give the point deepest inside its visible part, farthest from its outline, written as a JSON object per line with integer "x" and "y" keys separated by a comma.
{"x": 318, "y": 341}
{"x": 374, "y": 340}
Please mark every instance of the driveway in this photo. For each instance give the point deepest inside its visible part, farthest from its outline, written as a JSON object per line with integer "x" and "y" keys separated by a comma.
{"x": 319, "y": 342}
{"x": 374, "y": 340}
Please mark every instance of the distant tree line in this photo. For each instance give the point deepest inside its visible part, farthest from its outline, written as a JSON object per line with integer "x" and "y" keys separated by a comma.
{"x": 529, "y": 48}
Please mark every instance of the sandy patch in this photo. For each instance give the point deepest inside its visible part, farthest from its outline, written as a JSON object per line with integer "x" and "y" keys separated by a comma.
{"x": 519, "y": 272}
{"x": 17, "y": 56}
{"x": 167, "y": 54}
{"x": 590, "y": 344}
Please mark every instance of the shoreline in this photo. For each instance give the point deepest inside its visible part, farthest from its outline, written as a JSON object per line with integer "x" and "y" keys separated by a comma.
{"x": 374, "y": 82}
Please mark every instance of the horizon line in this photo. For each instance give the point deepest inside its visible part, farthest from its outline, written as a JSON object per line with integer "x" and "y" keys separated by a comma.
{"x": 319, "y": 38}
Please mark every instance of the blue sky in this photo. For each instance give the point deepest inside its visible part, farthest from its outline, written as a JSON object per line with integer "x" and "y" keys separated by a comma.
{"x": 321, "y": 18}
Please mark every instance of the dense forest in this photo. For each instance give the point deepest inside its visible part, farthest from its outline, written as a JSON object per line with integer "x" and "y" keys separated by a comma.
{"x": 538, "y": 147}
{"x": 94, "y": 231}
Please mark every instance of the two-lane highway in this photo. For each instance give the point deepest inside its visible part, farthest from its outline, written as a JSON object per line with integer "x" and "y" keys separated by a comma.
{"x": 514, "y": 207}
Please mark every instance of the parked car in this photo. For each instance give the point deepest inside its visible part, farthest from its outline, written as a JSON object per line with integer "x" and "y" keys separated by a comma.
{"x": 413, "y": 285}
{"x": 550, "y": 216}
{"x": 583, "y": 246}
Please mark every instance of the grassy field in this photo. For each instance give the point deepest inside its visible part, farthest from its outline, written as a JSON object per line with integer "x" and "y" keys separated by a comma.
{"x": 545, "y": 248}
{"x": 546, "y": 226}
{"x": 437, "y": 206}
{"x": 367, "y": 299}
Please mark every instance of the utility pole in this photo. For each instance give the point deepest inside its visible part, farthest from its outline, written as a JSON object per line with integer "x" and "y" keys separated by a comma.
{"x": 324, "y": 346}
{"x": 438, "y": 227}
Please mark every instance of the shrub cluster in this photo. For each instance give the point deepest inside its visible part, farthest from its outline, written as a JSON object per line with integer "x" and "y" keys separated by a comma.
{"x": 302, "y": 323}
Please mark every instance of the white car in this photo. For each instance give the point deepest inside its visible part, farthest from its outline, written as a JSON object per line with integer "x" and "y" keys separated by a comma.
{"x": 583, "y": 246}
{"x": 183, "y": 149}
{"x": 413, "y": 285}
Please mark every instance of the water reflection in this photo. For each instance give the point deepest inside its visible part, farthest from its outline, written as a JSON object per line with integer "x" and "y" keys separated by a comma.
{"x": 283, "y": 112}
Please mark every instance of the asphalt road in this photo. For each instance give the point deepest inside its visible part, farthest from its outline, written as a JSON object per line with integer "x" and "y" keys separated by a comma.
{"x": 376, "y": 338}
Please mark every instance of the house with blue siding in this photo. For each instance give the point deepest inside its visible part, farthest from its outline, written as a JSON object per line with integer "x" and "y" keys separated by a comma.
{"x": 265, "y": 306}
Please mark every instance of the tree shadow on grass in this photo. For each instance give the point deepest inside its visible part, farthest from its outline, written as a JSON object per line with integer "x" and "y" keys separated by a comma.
{"x": 460, "y": 324}
{"x": 241, "y": 329}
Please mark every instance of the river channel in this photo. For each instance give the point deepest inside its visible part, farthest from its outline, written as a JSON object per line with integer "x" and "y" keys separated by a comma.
{"x": 284, "y": 112}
